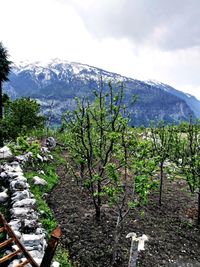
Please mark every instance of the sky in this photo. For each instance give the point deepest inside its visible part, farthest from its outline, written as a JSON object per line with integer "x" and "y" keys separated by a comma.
{"x": 141, "y": 39}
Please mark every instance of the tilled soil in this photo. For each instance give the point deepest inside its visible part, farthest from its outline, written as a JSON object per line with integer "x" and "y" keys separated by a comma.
{"x": 174, "y": 239}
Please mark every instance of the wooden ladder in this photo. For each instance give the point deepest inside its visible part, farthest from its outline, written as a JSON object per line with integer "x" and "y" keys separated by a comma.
{"x": 12, "y": 239}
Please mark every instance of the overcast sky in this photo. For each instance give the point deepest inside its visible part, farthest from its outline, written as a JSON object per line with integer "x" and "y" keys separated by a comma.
{"x": 143, "y": 39}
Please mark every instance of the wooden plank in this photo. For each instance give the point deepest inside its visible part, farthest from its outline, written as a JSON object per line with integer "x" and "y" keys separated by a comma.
{"x": 2, "y": 229}
{"x": 23, "y": 263}
{"x": 51, "y": 247}
{"x": 6, "y": 242}
{"x": 10, "y": 256}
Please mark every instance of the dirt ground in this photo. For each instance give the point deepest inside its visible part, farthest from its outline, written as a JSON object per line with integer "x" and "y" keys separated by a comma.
{"x": 174, "y": 239}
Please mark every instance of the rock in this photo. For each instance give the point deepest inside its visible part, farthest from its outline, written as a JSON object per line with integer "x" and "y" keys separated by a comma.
{"x": 19, "y": 195}
{"x": 39, "y": 181}
{"x": 28, "y": 202}
{"x": 20, "y": 178}
{"x": 44, "y": 149}
{"x": 4, "y": 175}
{"x": 18, "y": 185}
{"x": 39, "y": 231}
{"x": 14, "y": 263}
{"x": 4, "y": 196}
{"x": 31, "y": 240}
{"x": 36, "y": 254}
{"x": 55, "y": 264}
{"x": 5, "y": 152}
{"x": 25, "y": 158}
{"x": 15, "y": 225}
{"x": 23, "y": 213}
{"x": 11, "y": 175}
{"x": 50, "y": 142}
{"x": 29, "y": 226}
{"x": 16, "y": 167}
{"x": 18, "y": 234}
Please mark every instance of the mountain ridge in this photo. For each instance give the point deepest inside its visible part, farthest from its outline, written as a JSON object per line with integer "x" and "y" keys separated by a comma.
{"x": 56, "y": 83}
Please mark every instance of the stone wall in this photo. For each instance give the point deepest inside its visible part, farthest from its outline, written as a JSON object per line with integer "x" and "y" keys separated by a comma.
{"x": 24, "y": 214}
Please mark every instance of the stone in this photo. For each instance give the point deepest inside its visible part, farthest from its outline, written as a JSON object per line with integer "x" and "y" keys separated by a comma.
{"x": 5, "y": 152}
{"x": 15, "y": 225}
{"x": 18, "y": 213}
{"x": 4, "y": 196}
{"x": 25, "y": 158}
{"x": 18, "y": 234}
{"x": 4, "y": 175}
{"x": 39, "y": 181}
{"x": 16, "y": 167}
{"x": 11, "y": 175}
{"x": 29, "y": 226}
{"x": 39, "y": 231}
{"x": 55, "y": 264}
{"x": 31, "y": 240}
{"x": 21, "y": 178}
{"x": 14, "y": 263}
{"x": 18, "y": 185}
{"x": 28, "y": 202}
{"x": 19, "y": 195}
{"x": 36, "y": 254}
{"x": 44, "y": 149}
{"x": 50, "y": 142}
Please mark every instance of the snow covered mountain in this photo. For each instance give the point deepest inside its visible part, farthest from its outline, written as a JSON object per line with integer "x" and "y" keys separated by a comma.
{"x": 56, "y": 84}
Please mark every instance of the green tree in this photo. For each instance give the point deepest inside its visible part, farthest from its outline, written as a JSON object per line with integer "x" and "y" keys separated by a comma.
{"x": 21, "y": 116}
{"x": 97, "y": 128}
{"x": 5, "y": 67}
{"x": 101, "y": 149}
{"x": 189, "y": 158}
{"x": 162, "y": 138}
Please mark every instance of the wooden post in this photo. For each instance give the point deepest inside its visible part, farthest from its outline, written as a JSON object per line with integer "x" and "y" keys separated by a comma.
{"x": 51, "y": 247}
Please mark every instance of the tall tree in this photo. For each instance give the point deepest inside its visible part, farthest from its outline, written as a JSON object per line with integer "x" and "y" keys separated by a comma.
{"x": 5, "y": 67}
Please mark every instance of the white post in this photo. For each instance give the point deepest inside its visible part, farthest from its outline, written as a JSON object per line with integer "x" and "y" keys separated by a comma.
{"x": 134, "y": 248}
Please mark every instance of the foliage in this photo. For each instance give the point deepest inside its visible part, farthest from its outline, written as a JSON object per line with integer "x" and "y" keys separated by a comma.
{"x": 5, "y": 67}
{"x": 24, "y": 145}
{"x": 62, "y": 257}
{"x": 144, "y": 166}
{"x": 162, "y": 138}
{"x": 189, "y": 157}
{"x": 21, "y": 116}
{"x": 97, "y": 128}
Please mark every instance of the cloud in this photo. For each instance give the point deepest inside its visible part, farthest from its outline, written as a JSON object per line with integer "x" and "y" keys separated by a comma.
{"x": 169, "y": 25}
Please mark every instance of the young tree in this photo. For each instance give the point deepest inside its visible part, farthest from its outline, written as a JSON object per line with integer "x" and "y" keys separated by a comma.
{"x": 162, "y": 140}
{"x": 5, "y": 67}
{"x": 96, "y": 128}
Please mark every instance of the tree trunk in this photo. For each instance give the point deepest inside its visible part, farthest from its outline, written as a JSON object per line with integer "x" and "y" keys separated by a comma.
{"x": 116, "y": 258}
{"x": 161, "y": 183}
{"x": 98, "y": 203}
{"x": 1, "y": 114}
{"x": 98, "y": 213}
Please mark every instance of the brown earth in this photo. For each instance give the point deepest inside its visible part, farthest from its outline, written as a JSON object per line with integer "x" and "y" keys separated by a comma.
{"x": 174, "y": 239}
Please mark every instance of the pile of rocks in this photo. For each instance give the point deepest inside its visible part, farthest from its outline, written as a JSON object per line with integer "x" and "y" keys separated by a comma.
{"x": 24, "y": 215}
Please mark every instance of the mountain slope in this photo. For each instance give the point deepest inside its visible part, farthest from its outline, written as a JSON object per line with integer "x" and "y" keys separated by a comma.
{"x": 56, "y": 84}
